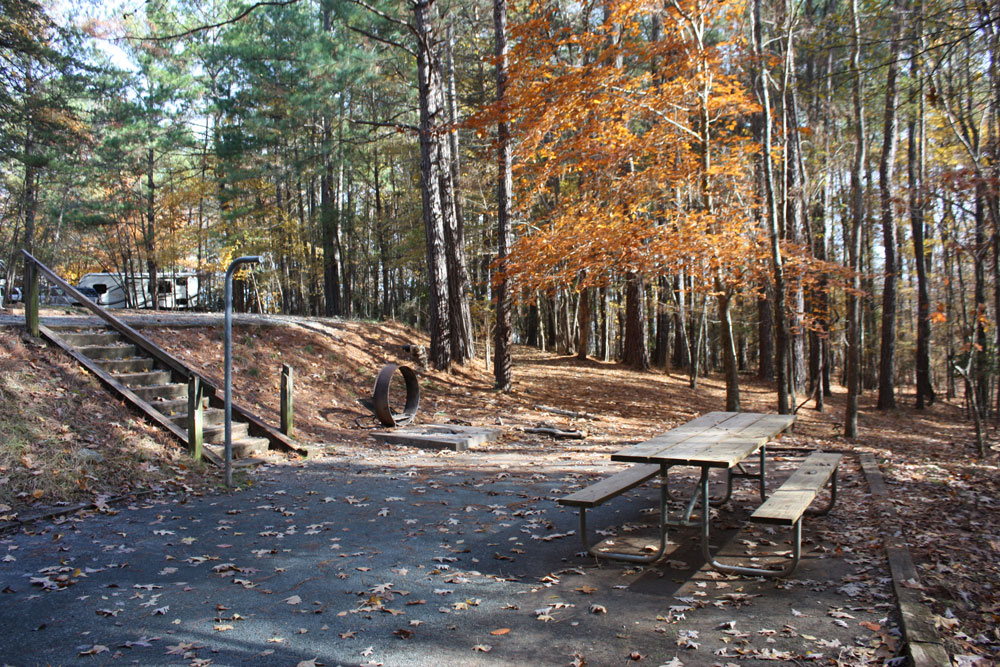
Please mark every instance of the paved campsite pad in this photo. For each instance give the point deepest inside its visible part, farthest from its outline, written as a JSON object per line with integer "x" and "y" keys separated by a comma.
{"x": 426, "y": 560}
{"x": 439, "y": 436}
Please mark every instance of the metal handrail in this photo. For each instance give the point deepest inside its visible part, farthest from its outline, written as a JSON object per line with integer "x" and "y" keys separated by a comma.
{"x": 257, "y": 425}
{"x": 133, "y": 336}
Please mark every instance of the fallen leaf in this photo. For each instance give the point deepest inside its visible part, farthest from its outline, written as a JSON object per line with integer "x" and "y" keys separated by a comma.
{"x": 482, "y": 648}
{"x": 295, "y": 599}
{"x": 93, "y": 650}
{"x": 500, "y": 631}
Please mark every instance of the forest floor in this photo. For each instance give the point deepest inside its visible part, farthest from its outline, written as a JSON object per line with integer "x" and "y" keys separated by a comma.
{"x": 946, "y": 498}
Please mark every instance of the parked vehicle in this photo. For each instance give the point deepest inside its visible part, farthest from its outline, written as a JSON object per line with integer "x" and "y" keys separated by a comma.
{"x": 115, "y": 291}
{"x": 55, "y": 296}
{"x": 88, "y": 292}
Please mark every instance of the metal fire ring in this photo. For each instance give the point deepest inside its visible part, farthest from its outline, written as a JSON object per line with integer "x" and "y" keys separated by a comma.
{"x": 380, "y": 399}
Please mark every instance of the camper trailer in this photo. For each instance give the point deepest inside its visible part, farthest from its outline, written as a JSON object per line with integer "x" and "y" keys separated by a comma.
{"x": 174, "y": 290}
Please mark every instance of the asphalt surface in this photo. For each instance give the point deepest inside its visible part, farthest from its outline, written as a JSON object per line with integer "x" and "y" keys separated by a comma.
{"x": 408, "y": 558}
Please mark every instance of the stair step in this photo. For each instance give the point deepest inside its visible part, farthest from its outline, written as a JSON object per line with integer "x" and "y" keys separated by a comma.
{"x": 177, "y": 408}
{"x": 133, "y": 365}
{"x": 144, "y": 379}
{"x": 210, "y": 416}
{"x": 166, "y": 392}
{"x": 107, "y": 351}
{"x": 242, "y": 449}
{"x": 238, "y": 463}
{"x": 90, "y": 338}
{"x": 248, "y": 447}
{"x": 216, "y": 435}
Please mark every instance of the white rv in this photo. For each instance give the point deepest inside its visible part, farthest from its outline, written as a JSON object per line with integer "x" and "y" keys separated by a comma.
{"x": 174, "y": 290}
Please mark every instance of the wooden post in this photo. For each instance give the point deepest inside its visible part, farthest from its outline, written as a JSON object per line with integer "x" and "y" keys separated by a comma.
{"x": 287, "y": 386}
{"x": 30, "y": 297}
{"x": 195, "y": 421}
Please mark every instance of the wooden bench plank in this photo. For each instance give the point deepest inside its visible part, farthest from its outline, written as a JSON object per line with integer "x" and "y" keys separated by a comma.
{"x": 609, "y": 487}
{"x": 791, "y": 500}
{"x": 818, "y": 467}
{"x": 784, "y": 507}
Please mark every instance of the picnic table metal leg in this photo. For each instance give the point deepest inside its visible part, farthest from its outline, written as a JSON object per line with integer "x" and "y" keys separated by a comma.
{"x": 833, "y": 498}
{"x": 738, "y": 569}
{"x": 763, "y": 477}
{"x": 743, "y": 474}
{"x": 706, "y": 547}
{"x": 631, "y": 558}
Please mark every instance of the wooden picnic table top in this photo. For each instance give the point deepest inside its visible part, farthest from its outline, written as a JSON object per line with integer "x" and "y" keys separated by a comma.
{"x": 715, "y": 440}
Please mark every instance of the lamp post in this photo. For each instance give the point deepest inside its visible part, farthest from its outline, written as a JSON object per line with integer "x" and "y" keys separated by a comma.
{"x": 249, "y": 259}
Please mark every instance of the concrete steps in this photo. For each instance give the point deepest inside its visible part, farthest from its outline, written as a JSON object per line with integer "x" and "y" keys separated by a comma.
{"x": 144, "y": 379}
{"x": 114, "y": 351}
{"x": 133, "y": 365}
{"x": 155, "y": 392}
{"x": 163, "y": 390}
{"x": 209, "y": 416}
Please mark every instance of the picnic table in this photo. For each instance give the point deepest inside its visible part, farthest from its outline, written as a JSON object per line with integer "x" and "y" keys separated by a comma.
{"x": 716, "y": 440}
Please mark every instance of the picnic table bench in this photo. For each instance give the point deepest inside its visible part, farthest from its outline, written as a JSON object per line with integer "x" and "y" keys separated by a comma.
{"x": 714, "y": 440}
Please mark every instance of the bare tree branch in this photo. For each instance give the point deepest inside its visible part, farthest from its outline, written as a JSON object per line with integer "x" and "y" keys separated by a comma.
{"x": 384, "y": 16}
{"x": 201, "y": 28}
{"x": 374, "y": 123}
{"x": 382, "y": 39}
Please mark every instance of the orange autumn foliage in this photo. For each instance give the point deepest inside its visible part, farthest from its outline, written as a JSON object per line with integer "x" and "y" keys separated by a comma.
{"x": 634, "y": 150}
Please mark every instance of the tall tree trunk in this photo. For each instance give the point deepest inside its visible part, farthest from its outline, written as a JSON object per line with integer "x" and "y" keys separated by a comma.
{"x": 462, "y": 348}
{"x": 28, "y": 206}
{"x": 886, "y": 177}
{"x": 681, "y": 356}
{"x": 330, "y": 217}
{"x": 149, "y": 235}
{"x": 532, "y": 325}
{"x": 730, "y": 368}
{"x": 635, "y": 352}
{"x": 979, "y": 375}
{"x": 662, "y": 349}
{"x": 771, "y": 208}
{"x": 583, "y": 324}
{"x": 854, "y": 242}
{"x": 765, "y": 335}
{"x": 431, "y": 164}
{"x": 914, "y": 168}
{"x": 606, "y": 323}
{"x": 502, "y": 332}
{"x": 793, "y": 202}
{"x": 381, "y": 239}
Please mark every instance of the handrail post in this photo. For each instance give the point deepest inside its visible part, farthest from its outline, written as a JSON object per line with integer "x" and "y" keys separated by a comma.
{"x": 195, "y": 417}
{"x": 287, "y": 386}
{"x": 30, "y": 297}
{"x": 228, "y": 361}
